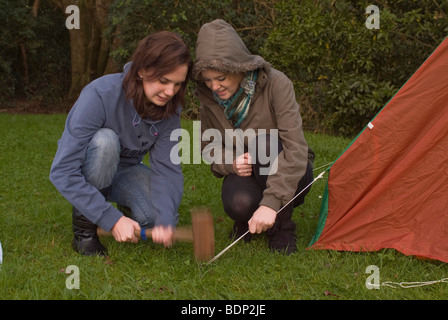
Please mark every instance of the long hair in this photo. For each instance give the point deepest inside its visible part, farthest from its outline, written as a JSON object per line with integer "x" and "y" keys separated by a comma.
{"x": 158, "y": 54}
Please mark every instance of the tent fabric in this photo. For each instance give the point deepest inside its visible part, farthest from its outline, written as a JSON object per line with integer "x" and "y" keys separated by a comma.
{"x": 389, "y": 188}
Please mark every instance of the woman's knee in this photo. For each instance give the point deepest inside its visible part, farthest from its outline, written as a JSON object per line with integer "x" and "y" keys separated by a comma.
{"x": 240, "y": 197}
{"x": 106, "y": 142}
{"x": 102, "y": 158}
{"x": 240, "y": 207}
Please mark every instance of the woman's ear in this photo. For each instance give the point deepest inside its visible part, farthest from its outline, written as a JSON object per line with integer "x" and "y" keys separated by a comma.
{"x": 140, "y": 72}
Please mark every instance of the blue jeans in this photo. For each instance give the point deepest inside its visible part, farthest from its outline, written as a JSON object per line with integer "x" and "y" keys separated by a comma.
{"x": 126, "y": 186}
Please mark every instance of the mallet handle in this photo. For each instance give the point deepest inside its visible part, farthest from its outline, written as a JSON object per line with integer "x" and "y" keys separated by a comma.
{"x": 182, "y": 233}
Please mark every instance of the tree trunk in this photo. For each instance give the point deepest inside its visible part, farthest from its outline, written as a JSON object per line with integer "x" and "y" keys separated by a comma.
{"x": 26, "y": 79}
{"x": 36, "y": 5}
{"x": 88, "y": 48}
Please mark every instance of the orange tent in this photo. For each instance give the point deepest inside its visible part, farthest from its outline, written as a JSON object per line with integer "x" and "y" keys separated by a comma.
{"x": 389, "y": 188}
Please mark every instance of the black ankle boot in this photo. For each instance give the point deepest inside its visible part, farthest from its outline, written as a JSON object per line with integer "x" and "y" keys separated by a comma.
{"x": 240, "y": 228}
{"x": 85, "y": 240}
{"x": 282, "y": 236}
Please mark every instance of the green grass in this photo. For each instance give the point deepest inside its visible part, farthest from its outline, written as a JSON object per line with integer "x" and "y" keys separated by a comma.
{"x": 35, "y": 233}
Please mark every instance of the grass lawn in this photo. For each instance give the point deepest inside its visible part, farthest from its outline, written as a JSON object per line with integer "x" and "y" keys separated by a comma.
{"x": 35, "y": 233}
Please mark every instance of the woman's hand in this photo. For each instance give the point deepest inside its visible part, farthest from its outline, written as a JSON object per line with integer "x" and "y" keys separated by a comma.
{"x": 262, "y": 219}
{"x": 163, "y": 235}
{"x": 124, "y": 230}
{"x": 242, "y": 165}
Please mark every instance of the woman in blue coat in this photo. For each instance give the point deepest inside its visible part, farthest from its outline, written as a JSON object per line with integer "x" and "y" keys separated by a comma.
{"x": 115, "y": 122}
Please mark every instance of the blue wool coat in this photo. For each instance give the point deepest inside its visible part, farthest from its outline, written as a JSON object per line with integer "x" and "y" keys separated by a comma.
{"x": 103, "y": 104}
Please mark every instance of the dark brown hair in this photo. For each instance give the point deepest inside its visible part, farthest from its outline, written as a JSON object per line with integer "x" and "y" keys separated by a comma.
{"x": 158, "y": 54}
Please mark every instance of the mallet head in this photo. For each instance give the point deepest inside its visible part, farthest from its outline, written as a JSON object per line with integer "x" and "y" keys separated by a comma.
{"x": 203, "y": 234}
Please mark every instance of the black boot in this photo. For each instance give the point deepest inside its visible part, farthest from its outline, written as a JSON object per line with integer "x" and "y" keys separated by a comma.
{"x": 240, "y": 228}
{"x": 85, "y": 240}
{"x": 282, "y": 236}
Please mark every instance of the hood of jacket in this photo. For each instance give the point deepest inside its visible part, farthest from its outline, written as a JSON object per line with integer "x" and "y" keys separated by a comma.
{"x": 219, "y": 47}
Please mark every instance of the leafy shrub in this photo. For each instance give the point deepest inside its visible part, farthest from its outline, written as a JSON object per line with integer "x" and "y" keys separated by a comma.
{"x": 344, "y": 72}
{"x": 35, "y": 56}
{"x": 132, "y": 20}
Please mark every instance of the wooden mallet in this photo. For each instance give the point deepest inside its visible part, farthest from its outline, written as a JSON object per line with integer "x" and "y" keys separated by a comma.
{"x": 201, "y": 234}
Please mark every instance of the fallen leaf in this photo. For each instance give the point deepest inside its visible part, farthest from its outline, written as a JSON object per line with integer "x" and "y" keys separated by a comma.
{"x": 328, "y": 293}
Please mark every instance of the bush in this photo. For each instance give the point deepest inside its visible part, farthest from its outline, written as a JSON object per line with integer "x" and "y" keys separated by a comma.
{"x": 35, "y": 55}
{"x": 132, "y": 20}
{"x": 344, "y": 72}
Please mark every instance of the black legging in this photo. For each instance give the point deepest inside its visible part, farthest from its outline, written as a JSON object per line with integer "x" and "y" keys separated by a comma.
{"x": 241, "y": 196}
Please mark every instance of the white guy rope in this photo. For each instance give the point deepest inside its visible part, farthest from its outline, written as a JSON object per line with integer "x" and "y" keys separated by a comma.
{"x": 407, "y": 285}
{"x": 324, "y": 166}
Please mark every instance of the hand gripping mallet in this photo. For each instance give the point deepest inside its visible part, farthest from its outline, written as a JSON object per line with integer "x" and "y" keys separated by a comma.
{"x": 201, "y": 234}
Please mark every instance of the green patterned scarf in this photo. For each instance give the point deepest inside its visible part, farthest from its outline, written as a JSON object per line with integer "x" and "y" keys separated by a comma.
{"x": 237, "y": 107}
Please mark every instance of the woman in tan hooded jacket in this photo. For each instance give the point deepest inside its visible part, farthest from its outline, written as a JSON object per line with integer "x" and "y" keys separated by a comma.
{"x": 240, "y": 92}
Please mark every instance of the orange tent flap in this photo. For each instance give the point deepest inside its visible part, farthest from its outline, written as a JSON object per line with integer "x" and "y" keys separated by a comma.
{"x": 389, "y": 189}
